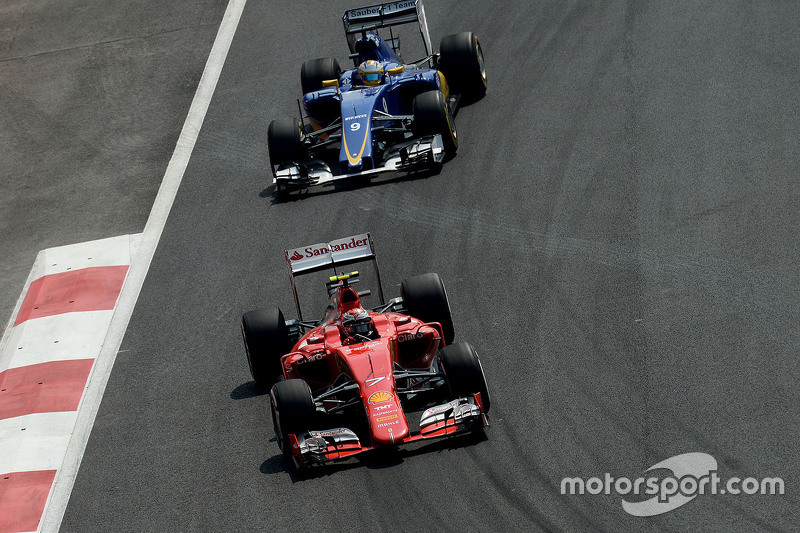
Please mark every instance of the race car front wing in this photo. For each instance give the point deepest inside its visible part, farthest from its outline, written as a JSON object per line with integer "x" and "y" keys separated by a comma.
{"x": 457, "y": 416}
{"x": 419, "y": 153}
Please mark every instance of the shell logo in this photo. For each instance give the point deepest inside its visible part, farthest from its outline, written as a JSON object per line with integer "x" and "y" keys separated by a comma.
{"x": 380, "y": 396}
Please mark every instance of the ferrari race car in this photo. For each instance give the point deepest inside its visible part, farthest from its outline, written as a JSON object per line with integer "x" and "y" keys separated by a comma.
{"x": 383, "y": 115}
{"x": 350, "y": 382}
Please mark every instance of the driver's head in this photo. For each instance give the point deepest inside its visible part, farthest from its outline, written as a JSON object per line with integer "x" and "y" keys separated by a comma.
{"x": 370, "y": 72}
{"x": 357, "y": 322}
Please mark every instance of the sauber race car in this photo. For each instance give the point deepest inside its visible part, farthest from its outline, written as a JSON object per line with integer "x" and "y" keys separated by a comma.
{"x": 383, "y": 115}
{"x": 361, "y": 379}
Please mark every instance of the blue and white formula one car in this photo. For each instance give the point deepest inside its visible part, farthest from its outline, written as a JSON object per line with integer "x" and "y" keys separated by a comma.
{"x": 383, "y": 115}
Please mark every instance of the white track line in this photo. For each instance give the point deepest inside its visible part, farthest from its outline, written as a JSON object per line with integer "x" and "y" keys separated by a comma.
{"x": 65, "y": 477}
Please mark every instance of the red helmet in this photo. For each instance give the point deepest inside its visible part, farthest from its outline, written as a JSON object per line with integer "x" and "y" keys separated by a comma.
{"x": 357, "y": 322}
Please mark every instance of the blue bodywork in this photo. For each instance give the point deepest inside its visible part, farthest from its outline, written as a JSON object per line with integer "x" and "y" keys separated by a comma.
{"x": 367, "y": 111}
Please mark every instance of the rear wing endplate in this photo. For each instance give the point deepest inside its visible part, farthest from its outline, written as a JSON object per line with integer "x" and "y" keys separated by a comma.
{"x": 384, "y": 15}
{"x": 334, "y": 254}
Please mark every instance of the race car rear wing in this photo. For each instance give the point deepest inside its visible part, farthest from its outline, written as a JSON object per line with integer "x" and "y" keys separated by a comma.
{"x": 384, "y": 16}
{"x": 334, "y": 254}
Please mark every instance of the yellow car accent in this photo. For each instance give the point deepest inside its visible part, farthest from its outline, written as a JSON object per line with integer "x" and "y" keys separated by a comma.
{"x": 331, "y": 83}
{"x": 380, "y": 396}
{"x": 341, "y": 277}
{"x": 356, "y": 159}
{"x": 443, "y": 84}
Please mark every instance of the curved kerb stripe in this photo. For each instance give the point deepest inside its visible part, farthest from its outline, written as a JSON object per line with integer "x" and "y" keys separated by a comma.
{"x": 23, "y": 496}
{"x": 87, "y": 289}
{"x": 43, "y": 388}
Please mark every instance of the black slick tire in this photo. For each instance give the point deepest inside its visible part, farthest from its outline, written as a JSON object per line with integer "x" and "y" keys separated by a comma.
{"x": 432, "y": 116}
{"x": 285, "y": 142}
{"x": 461, "y": 62}
{"x": 266, "y": 340}
{"x": 425, "y": 298}
{"x": 463, "y": 371}
{"x": 293, "y": 410}
{"x": 312, "y": 74}
{"x": 315, "y": 71}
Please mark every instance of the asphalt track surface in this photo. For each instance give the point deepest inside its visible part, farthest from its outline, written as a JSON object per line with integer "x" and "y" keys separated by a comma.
{"x": 93, "y": 99}
{"x": 618, "y": 236}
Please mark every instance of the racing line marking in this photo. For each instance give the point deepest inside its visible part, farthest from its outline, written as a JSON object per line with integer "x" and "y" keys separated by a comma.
{"x": 140, "y": 264}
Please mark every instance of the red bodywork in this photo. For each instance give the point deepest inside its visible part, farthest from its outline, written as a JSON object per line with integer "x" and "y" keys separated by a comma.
{"x": 324, "y": 353}
{"x": 395, "y": 365}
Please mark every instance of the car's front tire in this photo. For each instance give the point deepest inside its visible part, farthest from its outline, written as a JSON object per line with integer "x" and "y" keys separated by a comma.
{"x": 463, "y": 372}
{"x": 285, "y": 142}
{"x": 432, "y": 116}
{"x": 293, "y": 410}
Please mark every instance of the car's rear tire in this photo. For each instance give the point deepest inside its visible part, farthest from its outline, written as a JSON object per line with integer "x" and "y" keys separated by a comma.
{"x": 461, "y": 62}
{"x": 425, "y": 298}
{"x": 463, "y": 372}
{"x": 432, "y": 116}
{"x": 312, "y": 74}
{"x": 315, "y": 71}
{"x": 266, "y": 340}
{"x": 285, "y": 141}
{"x": 293, "y": 410}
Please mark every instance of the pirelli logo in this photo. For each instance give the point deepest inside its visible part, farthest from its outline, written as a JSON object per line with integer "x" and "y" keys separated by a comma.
{"x": 384, "y": 418}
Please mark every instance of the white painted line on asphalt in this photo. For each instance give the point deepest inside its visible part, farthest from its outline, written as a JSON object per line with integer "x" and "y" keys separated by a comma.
{"x": 65, "y": 478}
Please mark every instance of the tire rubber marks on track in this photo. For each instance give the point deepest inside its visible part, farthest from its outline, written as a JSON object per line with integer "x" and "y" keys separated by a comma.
{"x": 765, "y": 286}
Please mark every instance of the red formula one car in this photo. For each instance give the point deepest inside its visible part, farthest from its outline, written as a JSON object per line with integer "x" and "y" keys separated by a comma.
{"x": 352, "y": 381}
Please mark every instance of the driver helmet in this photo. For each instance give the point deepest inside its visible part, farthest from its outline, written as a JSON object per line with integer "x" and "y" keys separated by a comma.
{"x": 370, "y": 72}
{"x": 357, "y": 322}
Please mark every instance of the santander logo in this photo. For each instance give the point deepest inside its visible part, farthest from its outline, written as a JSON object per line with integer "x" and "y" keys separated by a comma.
{"x": 348, "y": 245}
{"x": 323, "y": 253}
{"x": 325, "y": 249}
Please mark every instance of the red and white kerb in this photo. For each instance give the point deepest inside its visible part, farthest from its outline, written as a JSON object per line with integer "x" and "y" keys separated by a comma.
{"x": 46, "y": 357}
